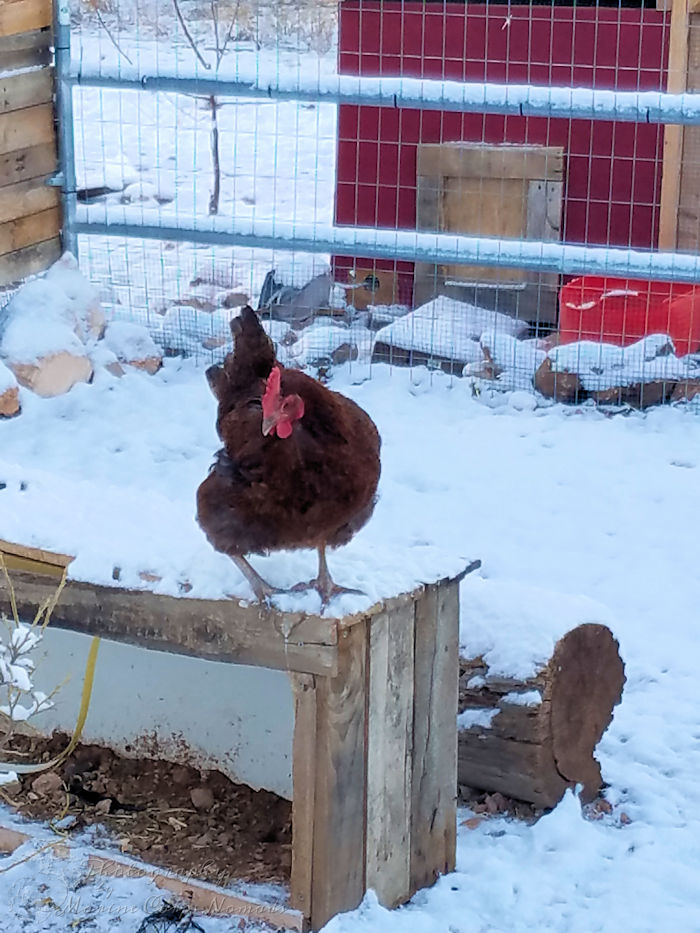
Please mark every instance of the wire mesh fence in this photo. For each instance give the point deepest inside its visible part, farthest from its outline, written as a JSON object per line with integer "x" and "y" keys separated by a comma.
{"x": 526, "y": 184}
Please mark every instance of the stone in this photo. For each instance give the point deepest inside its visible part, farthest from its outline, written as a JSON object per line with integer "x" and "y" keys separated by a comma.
{"x": 9, "y": 402}
{"x": 202, "y": 798}
{"x": 53, "y": 374}
{"x": 47, "y": 784}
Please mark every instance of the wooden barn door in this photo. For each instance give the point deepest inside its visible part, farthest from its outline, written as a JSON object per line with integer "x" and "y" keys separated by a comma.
{"x": 30, "y": 217}
{"x": 501, "y": 191}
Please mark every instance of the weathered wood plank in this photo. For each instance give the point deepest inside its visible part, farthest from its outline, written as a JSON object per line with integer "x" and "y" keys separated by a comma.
{"x": 25, "y": 164}
{"x": 27, "y": 198}
{"x": 677, "y": 82}
{"x": 28, "y": 261}
{"x": 26, "y": 231}
{"x": 24, "y": 15}
{"x": 339, "y": 821}
{"x": 26, "y": 49}
{"x": 389, "y": 755}
{"x": 203, "y": 898}
{"x": 26, "y": 89}
{"x": 216, "y": 630}
{"x": 434, "y": 788}
{"x": 475, "y": 160}
{"x": 25, "y": 128}
{"x": 304, "y": 786}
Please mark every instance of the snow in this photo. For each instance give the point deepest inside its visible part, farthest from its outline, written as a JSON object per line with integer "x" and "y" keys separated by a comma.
{"x": 7, "y": 378}
{"x": 36, "y": 323}
{"x": 604, "y": 366}
{"x": 526, "y": 698}
{"x": 469, "y": 718}
{"x": 448, "y": 328}
{"x": 130, "y": 341}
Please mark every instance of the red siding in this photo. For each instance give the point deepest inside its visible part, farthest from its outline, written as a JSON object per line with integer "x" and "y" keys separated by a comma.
{"x": 613, "y": 171}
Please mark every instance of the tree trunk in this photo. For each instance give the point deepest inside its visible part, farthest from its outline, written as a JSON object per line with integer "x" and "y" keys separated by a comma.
{"x": 534, "y": 752}
{"x": 215, "y": 158}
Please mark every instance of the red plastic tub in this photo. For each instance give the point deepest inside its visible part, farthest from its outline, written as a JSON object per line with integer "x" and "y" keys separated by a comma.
{"x": 622, "y": 311}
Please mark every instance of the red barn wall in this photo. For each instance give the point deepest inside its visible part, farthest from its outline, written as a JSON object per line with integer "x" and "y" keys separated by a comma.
{"x": 613, "y": 170}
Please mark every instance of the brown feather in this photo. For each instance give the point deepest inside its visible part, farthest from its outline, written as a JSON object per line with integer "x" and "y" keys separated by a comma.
{"x": 317, "y": 487}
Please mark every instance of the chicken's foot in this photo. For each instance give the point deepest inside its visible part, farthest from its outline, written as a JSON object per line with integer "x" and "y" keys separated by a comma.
{"x": 324, "y": 584}
{"x": 262, "y": 589}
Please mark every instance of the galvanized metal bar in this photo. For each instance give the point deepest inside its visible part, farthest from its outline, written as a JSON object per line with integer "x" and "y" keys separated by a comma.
{"x": 404, "y": 245}
{"x": 412, "y": 93}
{"x": 64, "y": 110}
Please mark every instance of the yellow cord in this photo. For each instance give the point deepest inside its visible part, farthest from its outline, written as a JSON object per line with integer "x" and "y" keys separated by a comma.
{"x": 20, "y": 767}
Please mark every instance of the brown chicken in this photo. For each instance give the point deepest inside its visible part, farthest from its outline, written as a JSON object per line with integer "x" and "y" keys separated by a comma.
{"x": 299, "y": 467}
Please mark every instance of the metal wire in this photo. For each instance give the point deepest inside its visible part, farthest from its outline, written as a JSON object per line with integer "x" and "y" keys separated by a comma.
{"x": 471, "y": 152}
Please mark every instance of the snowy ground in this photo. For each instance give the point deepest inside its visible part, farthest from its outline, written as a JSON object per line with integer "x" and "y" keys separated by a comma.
{"x": 560, "y": 504}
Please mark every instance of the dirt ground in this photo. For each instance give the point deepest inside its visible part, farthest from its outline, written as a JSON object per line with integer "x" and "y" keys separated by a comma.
{"x": 176, "y": 817}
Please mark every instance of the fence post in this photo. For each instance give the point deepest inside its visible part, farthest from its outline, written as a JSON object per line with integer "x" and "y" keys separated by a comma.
{"x": 64, "y": 114}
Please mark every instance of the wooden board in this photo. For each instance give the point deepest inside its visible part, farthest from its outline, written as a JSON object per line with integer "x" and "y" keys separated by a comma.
{"x": 33, "y": 126}
{"x": 24, "y": 164}
{"x": 509, "y": 192}
{"x": 33, "y": 559}
{"x": 18, "y": 16}
{"x": 389, "y": 755}
{"x": 26, "y": 89}
{"x": 203, "y": 898}
{"x": 674, "y": 134}
{"x": 341, "y": 761}
{"x": 434, "y": 781}
{"x": 216, "y": 630}
{"x": 26, "y": 231}
{"x": 26, "y": 50}
{"x": 304, "y": 790}
{"x": 27, "y": 198}
{"x": 28, "y": 261}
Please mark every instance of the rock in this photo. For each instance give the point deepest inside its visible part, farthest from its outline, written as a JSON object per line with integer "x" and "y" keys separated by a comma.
{"x": 47, "y": 784}
{"x": 234, "y": 300}
{"x": 53, "y": 374}
{"x": 344, "y": 353}
{"x": 133, "y": 345}
{"x": 82, "y": 298}
{"x": 9, "y": 402}
{"x": 181, "y": 775}
{"x": 562, "y": 386}
{"x": 686, "y": 390}
{"x": 202, "y": 797}
{"x": 104, "y": 806}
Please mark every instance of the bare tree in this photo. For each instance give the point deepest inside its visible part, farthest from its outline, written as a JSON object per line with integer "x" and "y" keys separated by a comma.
{"x": 213, "y": 104}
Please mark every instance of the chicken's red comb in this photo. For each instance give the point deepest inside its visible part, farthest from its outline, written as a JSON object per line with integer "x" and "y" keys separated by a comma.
{"x": 273, "y": 387}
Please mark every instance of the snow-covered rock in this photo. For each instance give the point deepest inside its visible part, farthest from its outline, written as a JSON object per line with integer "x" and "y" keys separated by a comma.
{"x": 53, "y": 374}
{"x": 132, "y": 344}
{"x": 9, "y": 393}
{"x": 80, "y": 297}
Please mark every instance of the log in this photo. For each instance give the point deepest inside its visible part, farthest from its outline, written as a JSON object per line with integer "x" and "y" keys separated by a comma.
{"x": 532, "y": 739}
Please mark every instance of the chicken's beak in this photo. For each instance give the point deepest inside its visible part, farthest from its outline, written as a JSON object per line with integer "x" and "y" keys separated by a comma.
{"x": 268, "y": 424}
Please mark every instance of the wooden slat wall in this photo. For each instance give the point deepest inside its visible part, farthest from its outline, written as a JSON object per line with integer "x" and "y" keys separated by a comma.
{"x": 30, "y": 216}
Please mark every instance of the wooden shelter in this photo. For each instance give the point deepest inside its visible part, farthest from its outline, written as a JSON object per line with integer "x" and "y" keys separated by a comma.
{"x": 30, "y": 214}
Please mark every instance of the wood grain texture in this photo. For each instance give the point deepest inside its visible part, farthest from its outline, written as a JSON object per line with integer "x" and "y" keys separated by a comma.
{"x": 341, "y": 775}
{"x": 434, "y": 783}
{"x": 304, "y": 790}
{"x": 26, "y": 89}
{"x": 477, "y": 160}
{"x": 23, "y": 129}
{"x": 17, "y": 16}
{"x": 32, "y": 259}
{"x": 26, "y": 164}
{"x": 26, "y": 50}
{"x": 26, "y": 231}
{"x": 203, "y": 898}
{"x": 677, "y": 82}
{"x": 216, "y": 630}
{"x": 27, "y": 198}
{"x": 389, "y": 755}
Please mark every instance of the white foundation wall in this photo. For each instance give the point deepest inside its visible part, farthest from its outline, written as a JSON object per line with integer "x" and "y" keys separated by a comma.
{"x": 233, "y": 718}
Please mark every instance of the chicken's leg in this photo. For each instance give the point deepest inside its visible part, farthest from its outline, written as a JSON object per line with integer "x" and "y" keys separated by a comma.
{"x": 260, "y": 587}
{"x": 324, "y": 584}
